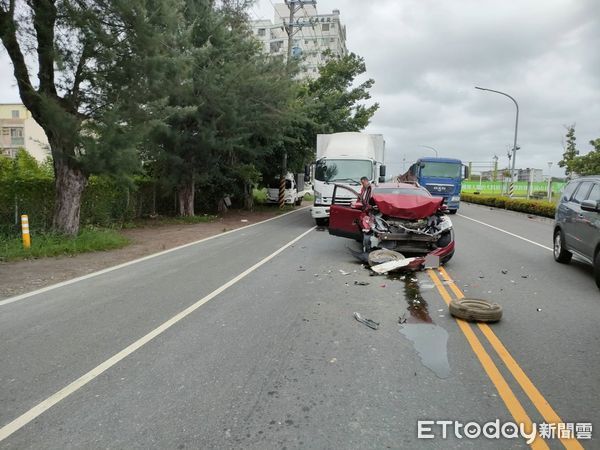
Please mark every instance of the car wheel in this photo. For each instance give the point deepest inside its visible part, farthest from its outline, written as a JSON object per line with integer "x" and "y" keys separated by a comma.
{"x": 561, "y": 255}
{"x": 597, "y": 269}
{"x": 446, "y": 258}
{"x": 322, "y": 221}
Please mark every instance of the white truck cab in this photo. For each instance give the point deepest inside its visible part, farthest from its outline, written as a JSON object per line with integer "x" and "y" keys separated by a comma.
{"x": 343, "y": 158}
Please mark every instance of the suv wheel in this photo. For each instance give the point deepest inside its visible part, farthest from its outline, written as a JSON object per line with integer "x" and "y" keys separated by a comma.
{"x": 560, "y": 254}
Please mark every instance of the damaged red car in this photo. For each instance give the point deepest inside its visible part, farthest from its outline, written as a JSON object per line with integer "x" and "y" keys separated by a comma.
{"x": 400, "y": 216}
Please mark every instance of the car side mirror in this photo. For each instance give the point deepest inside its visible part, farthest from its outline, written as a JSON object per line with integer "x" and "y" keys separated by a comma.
{"x": 466, "y": 172}
{"x": 590, "y": 205}
{"x": 381, "y": 172}
{"x": 382, "y": 179}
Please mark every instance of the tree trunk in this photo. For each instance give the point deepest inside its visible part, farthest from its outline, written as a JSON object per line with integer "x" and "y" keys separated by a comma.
{"x": 69, "y": 185}
{"x": 248, "y": 197}
{"x": 186, "y": 199}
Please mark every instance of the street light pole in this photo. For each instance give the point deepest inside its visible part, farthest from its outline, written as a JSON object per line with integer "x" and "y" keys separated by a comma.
{"x": 431, "y": 148}
{"x": 514, "y": 158}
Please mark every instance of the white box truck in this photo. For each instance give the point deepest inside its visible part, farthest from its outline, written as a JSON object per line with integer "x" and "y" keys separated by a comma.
{"x": 343, "y": 158}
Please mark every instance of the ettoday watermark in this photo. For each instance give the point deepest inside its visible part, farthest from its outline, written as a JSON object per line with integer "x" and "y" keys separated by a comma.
{"x": 431, "y": 429}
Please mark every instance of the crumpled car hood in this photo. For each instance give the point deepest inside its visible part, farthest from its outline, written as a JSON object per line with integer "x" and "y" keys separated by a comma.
{"x": 407, "y": 206}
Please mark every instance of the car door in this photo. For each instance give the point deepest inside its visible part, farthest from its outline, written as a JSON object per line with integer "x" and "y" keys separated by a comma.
{"x": 576, "y": 226}
{"x": 344, "y": 218}
{"x": 590, "y": 225}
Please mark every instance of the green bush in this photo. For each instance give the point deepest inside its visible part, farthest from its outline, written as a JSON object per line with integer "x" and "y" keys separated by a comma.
{"x": 535, "y": 207}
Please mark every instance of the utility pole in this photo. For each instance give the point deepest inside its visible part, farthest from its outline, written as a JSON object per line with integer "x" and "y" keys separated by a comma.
{"x": 495, "y": 176}
{"x": 291, "y": 29}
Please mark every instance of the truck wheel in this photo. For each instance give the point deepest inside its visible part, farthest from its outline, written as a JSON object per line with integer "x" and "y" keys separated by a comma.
{"x": 322, "y": 221}
{"x": 561, "y": 255}
{"x": 298, "y": 201}
{"x": 452, "y": 211}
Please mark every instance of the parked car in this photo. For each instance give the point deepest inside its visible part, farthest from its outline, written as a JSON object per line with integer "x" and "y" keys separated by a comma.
{"x": 402, "y": 217}
{"x": 577, "y": 223}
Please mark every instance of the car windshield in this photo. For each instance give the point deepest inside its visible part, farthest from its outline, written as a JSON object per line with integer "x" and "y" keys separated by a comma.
{"x": 441, "y": 170}
{"x": 343, "y": 170}
{"x": 402, "y": 191}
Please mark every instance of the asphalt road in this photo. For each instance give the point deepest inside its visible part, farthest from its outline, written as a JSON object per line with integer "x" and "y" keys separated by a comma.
{"x": 247, "y": 340}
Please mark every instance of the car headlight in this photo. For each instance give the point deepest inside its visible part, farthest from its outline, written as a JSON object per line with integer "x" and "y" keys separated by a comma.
{"x": 455, "y": 198}
{"x": 318, "y": 197}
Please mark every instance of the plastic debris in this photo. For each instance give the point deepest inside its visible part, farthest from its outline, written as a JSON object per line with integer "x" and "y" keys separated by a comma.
{"x": 383, "y": 256}
{"x": 244, "y": 220}
{"x": 504, "y": 271}
{"x": 368, "y": 322}
{"x": 343, "y": 272}
{"x": 392, "y": 265}
{"x": 524, "y": 276}
{"x": 361, "y": 283}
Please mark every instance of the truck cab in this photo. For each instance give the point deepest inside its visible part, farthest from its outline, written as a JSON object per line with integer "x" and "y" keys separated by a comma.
{"x": 442, "y": 177}
{"x": 343, "y": 158}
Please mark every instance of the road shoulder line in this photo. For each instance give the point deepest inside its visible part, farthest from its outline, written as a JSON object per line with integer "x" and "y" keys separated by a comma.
{"x": 72, "y": 387}
{"x": 505, "y": 231}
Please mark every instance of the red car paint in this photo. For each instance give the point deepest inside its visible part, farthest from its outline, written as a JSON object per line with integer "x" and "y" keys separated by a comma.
{"x": 407, "y": 206}
{"x": 350, "y": 221}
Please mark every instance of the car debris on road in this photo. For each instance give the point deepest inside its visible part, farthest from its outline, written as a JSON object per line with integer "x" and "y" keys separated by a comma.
{"x": 368, "y": 322}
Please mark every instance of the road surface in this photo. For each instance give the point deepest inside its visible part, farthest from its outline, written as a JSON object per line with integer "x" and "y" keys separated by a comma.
{"x": 247, "y": 340}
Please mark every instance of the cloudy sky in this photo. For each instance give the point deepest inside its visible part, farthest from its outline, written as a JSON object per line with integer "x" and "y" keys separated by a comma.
{"x": 426, "y": 56}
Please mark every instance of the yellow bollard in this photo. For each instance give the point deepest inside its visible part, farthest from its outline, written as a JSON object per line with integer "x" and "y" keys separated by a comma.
{"x": 25, "y": 230}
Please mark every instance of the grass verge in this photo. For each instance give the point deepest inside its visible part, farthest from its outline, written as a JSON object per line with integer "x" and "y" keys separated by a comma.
{"x": 50, "y": 244}
{"x": 535, "y": 207}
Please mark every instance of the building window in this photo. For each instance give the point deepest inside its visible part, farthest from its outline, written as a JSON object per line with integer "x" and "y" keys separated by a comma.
{"x": 262, "y": 32}
{"x": 276, "y": 46}
{"x": 15, "y": 113}
{"x": 325, "y": 27}
{"x": 5, "y": 131}
{"x": 16, "y": 132}
{"x": 331, "y": 39}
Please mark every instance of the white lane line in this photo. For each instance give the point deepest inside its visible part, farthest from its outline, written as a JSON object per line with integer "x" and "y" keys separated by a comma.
{"x": 135, "y": 261}
{"x": 40, "y": 408}
{"x": 507, "y": 232}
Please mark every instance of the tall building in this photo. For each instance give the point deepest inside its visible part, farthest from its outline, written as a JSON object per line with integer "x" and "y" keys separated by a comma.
{"x": 20, "y": 130}
{"x": 315, "y": 34}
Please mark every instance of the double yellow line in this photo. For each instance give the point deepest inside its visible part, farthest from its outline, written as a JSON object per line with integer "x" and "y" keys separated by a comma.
{"x": 510, "y": 400}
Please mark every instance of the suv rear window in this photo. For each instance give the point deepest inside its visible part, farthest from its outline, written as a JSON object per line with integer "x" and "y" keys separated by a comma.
{"x": 595, "y": 193}
{"x": 582, "y": 192}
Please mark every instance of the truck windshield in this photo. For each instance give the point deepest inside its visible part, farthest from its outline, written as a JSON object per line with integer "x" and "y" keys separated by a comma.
{"x": 441, "y": 170}
{"x": 343, "y": 170}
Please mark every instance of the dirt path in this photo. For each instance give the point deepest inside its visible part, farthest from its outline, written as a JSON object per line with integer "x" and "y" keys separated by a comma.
{"x": 23, "y": 276}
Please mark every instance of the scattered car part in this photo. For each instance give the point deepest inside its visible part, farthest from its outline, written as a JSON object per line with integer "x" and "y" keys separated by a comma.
{"x": 368, "y": 322}
{"x": 392, "y": 265}
{"x": 476, "y": 310}
{"x": 361, "y": 283}
{"x": 383, "y": 256}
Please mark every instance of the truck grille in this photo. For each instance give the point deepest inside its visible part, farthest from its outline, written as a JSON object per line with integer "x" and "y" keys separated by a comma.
{"x": 440, "y": 189}
{"x": 339, "y": 201}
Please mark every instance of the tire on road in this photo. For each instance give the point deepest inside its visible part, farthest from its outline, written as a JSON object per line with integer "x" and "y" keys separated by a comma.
{"x": 561, "y": 255}
{"x": 475, "y": 310}
{"x": 383, "y": 255}
{"x": 452, "y": 211}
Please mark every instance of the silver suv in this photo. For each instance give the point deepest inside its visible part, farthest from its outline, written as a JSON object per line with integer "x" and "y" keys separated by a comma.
{"x": 577, "y": 223}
